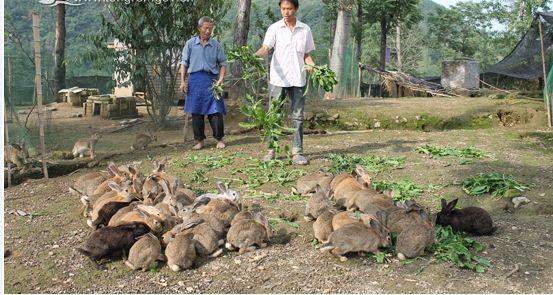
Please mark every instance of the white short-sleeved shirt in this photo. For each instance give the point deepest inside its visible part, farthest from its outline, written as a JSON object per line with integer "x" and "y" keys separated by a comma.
{"x": 287, "y": 64}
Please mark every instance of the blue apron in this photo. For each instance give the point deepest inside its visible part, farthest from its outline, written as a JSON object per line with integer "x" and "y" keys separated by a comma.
{"x": 200, "y": 99}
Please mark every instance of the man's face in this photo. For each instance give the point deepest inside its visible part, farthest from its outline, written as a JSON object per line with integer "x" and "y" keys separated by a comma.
{"x": 206, "y": 29}
{"x": 288, "y": 10}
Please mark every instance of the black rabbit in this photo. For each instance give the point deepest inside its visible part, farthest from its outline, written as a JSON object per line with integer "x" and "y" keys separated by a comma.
{"x": 473, "y": 220}
{"x": 112, "y": 241}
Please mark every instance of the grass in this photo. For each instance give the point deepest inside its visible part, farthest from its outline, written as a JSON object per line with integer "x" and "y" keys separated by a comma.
{"x": 499, "y": 185}
{"x": 347, "y": 162}
{"x": 404, "y": 190}
{"x": 460, "y": 250}
{"x": 274, "y": 221}
{"x": 438, "y": 151}
{"x": 209, "y": 161}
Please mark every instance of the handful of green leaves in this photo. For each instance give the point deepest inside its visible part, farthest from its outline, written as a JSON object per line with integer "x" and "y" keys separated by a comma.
{"x": 498, "y": 184}
{"x": 217, "y": 90}
{"x": 437, "y": 151}
{"x": 253, "y": 66}
{"x": 323, "y": 77}
{"x": 270, "y": 123}
{"x": 404, "y": 190}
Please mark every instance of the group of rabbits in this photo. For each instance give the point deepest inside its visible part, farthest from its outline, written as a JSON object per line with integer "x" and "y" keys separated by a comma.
{"x": 140, "y": 216}
{"x": 85, "y": 146}
{"x": 371, "y": 216}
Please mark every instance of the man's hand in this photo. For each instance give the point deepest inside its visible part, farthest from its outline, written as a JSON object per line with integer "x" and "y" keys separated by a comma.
{"x": 310, "y": 68}
{"x": 220, "y": 82}
{"x": 183, "y": 87}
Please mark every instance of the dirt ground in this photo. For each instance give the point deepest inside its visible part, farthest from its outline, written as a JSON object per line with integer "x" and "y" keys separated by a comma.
{"x": 39, "y": 247}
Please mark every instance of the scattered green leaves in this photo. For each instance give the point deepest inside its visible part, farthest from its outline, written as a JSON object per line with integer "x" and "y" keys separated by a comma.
{"x": 498, "y": 184}
{"x": 209, "y": 161}
{"x": 347, "y": 162}
{"x": 380, "y": 257}
{"x": 456, "y": 248}
{"x": 404, "y": 190}
{"x": 273, "y": 221}
{"x": 272, "y": 197}
{"x": 199, "y": 176}
{"x": 257, "y": 172}
{"x": 437, "y": 151}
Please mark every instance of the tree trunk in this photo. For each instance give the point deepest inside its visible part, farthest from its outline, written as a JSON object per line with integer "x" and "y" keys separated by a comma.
{"x": 383, "y": 34}
{"x": 241, "y": 29}
{"x": 343, "y": 28}
{"x": 398, "y": 48}
{"x": 59, "y": 51}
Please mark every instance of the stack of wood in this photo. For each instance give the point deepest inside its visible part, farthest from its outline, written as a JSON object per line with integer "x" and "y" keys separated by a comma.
{"x": 402, "y": 84}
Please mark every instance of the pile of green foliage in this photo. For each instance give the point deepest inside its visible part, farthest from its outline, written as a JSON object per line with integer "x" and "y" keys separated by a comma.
{"x": 258, "y": 172}
{"x": 348, "y": 162}
{"x": 404, "y": 190}
{"x": 497, "y": 184}
{"x": 437, "y": 151}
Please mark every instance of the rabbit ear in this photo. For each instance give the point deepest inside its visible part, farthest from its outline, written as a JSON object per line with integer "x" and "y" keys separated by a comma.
{"x": 433, "y": 218}
{"x": 176, "y": 186}
{"x": 166, "y": 189}
{"x": 451, "y": 205}
{"x": 444, "y": 205}
{"x": 132, "y": 170}
{"x": 318, "y": 188}
{"x": 375, "y": 225}
{"x": 221, "y": 186}
{"x": 114, "y": 186}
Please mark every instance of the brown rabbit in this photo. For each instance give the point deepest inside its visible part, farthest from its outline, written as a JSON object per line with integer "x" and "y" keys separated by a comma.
{"x": 368, "y": 201}
{"x": 142, "y": 140}
{"x": 412, "y": 241}
{"x": 86, "y": 146}
{"x": 358, "y": 237}
{"x": 474, "y": 220}
{"x": 176, "y": 197}
{"x": 246, "y": 233}
{"x": 322, "y": 227}
{"x": 221, "y": 209}
{"x": 306, "y": 184}
{"x": 343, "y": 218}
{"x": 181, "y": 252}
{"x": 317, "y": 204}
{"x": 208, "y": 241}
{"x": 132, "y": 214}
{"x": 344, "y": 186}
{"x": 103, "y": 211}
{"x": 16, "y": 154}
{"x": 401, "y": 216}
{"x": 180, "y": 228}
{"x": 144, "y": 252}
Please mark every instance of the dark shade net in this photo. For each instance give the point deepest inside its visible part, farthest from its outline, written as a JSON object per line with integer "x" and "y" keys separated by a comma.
{"x": 525, "y": 61}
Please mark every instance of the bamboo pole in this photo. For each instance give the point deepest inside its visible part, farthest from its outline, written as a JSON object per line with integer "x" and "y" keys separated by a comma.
{"x": 9, "y": 90}
{"x": 8, "y": 149}
{"x": 38, "y": 89}
{"x": 547, "y": 98}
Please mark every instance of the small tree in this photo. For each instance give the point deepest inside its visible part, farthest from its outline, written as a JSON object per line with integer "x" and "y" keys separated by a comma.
{"x": 154, "y": 36}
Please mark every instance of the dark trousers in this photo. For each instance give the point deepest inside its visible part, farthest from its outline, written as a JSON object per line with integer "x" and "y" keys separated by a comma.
{"x": 216, "y": 122}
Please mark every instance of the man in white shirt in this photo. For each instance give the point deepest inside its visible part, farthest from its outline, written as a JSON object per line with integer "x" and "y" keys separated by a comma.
{"x": 292, "y": 42}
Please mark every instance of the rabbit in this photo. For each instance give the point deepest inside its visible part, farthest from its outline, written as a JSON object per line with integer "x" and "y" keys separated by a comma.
{"x": 244, "y": 214}
{"x": 103, "y": 190}
{"x": 221, "y": 209}
{"x": 246, "y": 233}
{"x": 343, "y": 218}
{"x": 306, "y": 185}
{"x": 161, "y": 171}
{"x": 224, "y": 193}
{"x": 175, "y": 197}
{"x": 112, "y": 241}
{"x": 208, "y": 241}
{"x": 86, "y": 146}
{"x": 180, "y": 228}
{"x": 141, "y": 141}
{"x": 368, "y": 201}
{"x": 16, "y": 154}
{"x": 317, "y": 204}
{"x": 151, "y": 188}
{"x": 181, "y": 252}
{"x": 412, "y": 240}
{"x": 474, "y": 220}
{"x": 103, "y": 210}
{"x": 144, "y": 252}
{"x": 133, "y": 213}
{"x": 322, "y": 227}
{"x": 358, "y": 237}
{"x": 403, "y": 215}
{"x": 344, "y": 186}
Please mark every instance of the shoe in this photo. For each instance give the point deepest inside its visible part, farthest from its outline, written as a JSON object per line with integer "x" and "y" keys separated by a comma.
{"x": 199, "y": 145}
{"x": 221, "y": 144}
{"x": 269, "y": 156}
{"x": 300, "y": 160}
